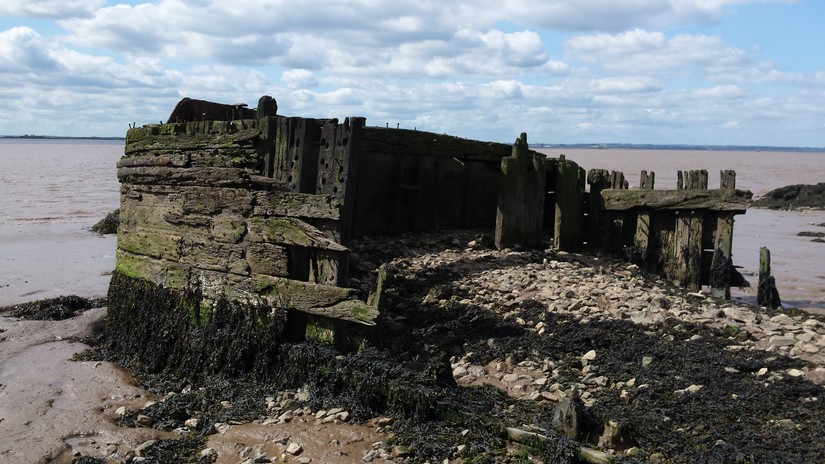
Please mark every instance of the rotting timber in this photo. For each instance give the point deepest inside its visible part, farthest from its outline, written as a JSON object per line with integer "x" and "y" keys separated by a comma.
{"x": 261, "y": 211}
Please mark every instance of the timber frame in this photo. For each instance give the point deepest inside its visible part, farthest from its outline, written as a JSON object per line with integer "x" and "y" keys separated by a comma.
{"x": 262, "y": 211}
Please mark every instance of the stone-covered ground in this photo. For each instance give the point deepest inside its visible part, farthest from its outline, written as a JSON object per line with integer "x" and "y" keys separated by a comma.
{"x": 584, "y": 355}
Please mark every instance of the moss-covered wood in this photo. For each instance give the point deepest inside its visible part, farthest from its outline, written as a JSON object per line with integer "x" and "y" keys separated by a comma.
{"x": 520, "y": 212}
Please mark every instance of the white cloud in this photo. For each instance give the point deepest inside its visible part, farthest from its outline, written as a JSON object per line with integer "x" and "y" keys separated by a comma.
{"x": 49, "y": 8}
{"x": 618, "y": 15}
{"x": 484, "y": 69}
{"x": 654, "y": 53}
{"x": 298, "y": 79}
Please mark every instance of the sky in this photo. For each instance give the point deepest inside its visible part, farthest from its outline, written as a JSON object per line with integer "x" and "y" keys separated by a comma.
{"x": 700, "y": 72}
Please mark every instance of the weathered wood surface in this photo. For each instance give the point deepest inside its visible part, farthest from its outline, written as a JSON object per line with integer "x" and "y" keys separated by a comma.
{"x": 290, "y": 231}
{"x": 300, "y": 205}
{"x": 412, "y": 142}
{"x": 692, "y": 180}
{"x": 766, "y": 292}
{"x": 165, "y": 175}
{"x": 520, "y": 212}
{"x": 722, "y": 264}
{"x": 646, "y": 180}
{"x": 727, "y": 179}
{"x": 322, "y": 300}
{"x": 714, "y": 200}
{"x": 569, "y": 221}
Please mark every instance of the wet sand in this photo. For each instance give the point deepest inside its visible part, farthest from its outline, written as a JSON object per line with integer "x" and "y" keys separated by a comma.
{"x": 43, "y": 260}
{"x": 51, "y": 407}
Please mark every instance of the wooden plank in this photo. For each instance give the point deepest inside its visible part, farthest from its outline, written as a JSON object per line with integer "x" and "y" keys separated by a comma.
{"x": 716, "y": 200}
{"x": 688, "y": 250}
{"x": 722, "y": 265}
{"x": 598, "y": 219}
{"x": 569, "y": 223}
{"x": 166, "y": 175}
{"x": 727, "y": 179}
{"x": 520, "y": 213}
{"x": 321, "y": 300}
{"x": 647, "y": 180}
{"x": 300, "y": 205}
{"x": 290, "y": 231}
{"x": 641, "y": 239}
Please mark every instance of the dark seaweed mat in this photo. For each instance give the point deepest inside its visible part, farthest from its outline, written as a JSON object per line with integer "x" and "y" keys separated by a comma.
{"x": 407, "y": 374}
{"x": 53, "y": 309}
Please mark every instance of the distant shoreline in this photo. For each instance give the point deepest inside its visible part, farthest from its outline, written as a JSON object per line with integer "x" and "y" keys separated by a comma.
{"x": 645, "y": 146}
{"x": 56, "y": 137}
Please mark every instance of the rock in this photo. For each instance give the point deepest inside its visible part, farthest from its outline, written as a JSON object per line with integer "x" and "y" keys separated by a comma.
{"x": 222, "y": 427}
{"x": 294, "y": 449}
{"x": 647, "y": 360}
{"x": 121, "y": 411}
{"x": 206, "y": 452}
{"x": 144, "y": 420}
{"x": 778, "y": 341}
{"x": 140, "y": 450}
{"x": 567, "y": 418}
{"x": 587, "y": 357}
{"x": 191, "y": 423}
{"x": 795, "y": 372}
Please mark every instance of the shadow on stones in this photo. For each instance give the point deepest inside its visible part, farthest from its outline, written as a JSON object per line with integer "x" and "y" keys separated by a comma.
{"x": 239, "y": 354}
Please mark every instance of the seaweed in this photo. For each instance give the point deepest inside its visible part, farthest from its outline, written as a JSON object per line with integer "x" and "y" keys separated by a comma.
{"x": 54, "y": 309}
{"x": 241, "y": 354}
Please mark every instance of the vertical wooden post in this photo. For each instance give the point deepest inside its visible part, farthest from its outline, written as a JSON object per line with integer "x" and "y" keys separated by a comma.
{"x": 646, "y": 180}
{"x": 599, "y": 179}
{"x": 722, "y": 264}
{"x": 520, "y": 213}
{"x": 727, "y": 180}
{"x": 766, "y": 292}
{"x": 688, "y": 249}
{"x": 641, "y": 239}
{"x": 569, "y": 225}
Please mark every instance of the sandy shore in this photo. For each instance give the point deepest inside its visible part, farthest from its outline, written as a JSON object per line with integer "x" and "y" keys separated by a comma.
{"x": 40, "y": 261}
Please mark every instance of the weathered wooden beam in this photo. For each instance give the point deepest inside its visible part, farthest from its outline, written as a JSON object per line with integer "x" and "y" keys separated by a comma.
{"x": 321, "y": 300}
{"x": 722, "y": 264}
{"x": 300, "y": 205}
{"x": 168, "y": 175}
{"x": 715, "y": 200}
{"x": 569, "y": 224}
{"x": 520, "y": 213}
{"x": 688, "y": 249}
{"x": 641, "y": 239}
{"x": 597, "y": 219}
{"x": 766, "y": 292}
{"x": 727, "y": 179}
{"x": 647, "y": 179}
{"x": 290, "y": 231}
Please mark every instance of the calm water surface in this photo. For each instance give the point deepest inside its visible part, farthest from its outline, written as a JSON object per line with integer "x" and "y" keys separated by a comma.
{"x": 797, "y": 263}
{"x": 51, "y": 193}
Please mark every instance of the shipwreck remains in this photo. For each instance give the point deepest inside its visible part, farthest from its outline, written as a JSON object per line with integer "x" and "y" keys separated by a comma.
{"x": 228, "y": 203}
